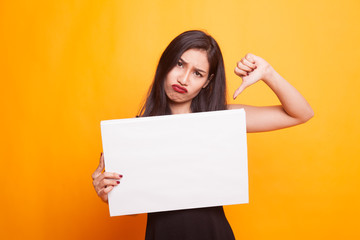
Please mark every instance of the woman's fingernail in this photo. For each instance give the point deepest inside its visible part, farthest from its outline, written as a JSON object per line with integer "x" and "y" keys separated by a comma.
{"x": 118, "y": 182}
{"x": 120, "y": 176}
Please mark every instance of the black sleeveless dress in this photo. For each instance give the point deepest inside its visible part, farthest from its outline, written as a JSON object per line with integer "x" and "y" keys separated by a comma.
{"x": 191, "y": 224}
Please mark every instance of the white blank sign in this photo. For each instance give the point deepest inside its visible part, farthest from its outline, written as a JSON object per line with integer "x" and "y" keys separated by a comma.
{"x": 177, "y": 162}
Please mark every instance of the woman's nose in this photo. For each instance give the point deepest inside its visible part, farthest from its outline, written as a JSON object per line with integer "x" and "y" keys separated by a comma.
{"x": 184, "y": 78}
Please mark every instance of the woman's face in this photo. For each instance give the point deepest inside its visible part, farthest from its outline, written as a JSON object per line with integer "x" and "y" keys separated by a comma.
{"x": 188, "y": 77}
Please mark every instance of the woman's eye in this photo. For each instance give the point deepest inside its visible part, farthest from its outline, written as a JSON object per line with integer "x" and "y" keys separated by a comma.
{"x": 179, "y": 64}
{"x": 198, "y": 74}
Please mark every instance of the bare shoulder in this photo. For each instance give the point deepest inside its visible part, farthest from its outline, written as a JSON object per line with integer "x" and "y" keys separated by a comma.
{"x": 266, "y": 118}
{"x": 247, "y": 108}
{"x": 234, "y": 106}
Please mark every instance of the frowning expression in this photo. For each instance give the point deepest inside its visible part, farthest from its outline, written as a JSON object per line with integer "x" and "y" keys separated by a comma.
{"x": 186, "y": 79}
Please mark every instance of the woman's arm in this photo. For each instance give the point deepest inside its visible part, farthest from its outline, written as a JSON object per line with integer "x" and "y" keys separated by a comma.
{"x": 104, "y": 182}
{"x": 294, "y": 109}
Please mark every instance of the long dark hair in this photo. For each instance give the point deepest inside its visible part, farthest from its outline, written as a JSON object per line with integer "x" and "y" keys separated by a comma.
{"x": 210, "y": 98}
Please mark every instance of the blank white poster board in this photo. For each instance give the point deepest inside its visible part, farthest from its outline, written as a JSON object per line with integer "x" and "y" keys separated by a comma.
{"x": 177, "y": 162}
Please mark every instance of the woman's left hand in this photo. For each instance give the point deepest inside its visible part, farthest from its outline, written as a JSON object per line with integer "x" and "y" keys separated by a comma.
{"x": 251, "y": 69}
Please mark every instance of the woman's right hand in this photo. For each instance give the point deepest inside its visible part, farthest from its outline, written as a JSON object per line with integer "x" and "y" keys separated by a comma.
{"x": 104, "y": 182}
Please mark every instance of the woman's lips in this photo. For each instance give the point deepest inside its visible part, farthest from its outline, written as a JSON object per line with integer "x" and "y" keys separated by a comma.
{"x": 179, "y": 89}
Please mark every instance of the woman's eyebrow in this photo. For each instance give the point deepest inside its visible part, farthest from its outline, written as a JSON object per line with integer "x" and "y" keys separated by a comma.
{"x": 198, "y": 69}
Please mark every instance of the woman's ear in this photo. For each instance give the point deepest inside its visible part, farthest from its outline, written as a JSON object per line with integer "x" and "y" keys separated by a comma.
{"x": 208, "y": 81}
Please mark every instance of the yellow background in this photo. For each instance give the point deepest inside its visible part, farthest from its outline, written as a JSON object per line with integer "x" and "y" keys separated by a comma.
{"x": 66, "y": 65}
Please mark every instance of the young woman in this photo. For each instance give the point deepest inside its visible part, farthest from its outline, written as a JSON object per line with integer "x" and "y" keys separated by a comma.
{"x": 190, "y": 77}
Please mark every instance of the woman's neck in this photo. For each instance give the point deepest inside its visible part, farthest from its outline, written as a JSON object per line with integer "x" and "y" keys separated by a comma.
{"x": 180, "y": 108}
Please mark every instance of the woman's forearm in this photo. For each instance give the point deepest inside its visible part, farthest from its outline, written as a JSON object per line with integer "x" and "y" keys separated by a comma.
{"x": 293, "y": 103}
{"x": 294, "y": 109}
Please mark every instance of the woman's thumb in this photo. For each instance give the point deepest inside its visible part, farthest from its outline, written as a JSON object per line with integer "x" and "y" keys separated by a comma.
{"x": 239, "y": 90}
